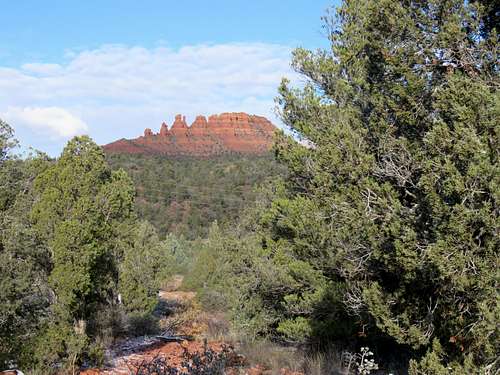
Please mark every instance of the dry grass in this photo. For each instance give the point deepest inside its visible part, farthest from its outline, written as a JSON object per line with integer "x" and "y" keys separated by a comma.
{"x": 218, "y": 327}
{"x": 271, "y": 356}
{"x": 325, "y": 363}
{"x": 275, "y": 358}
{"x": 186, "y": 318}
{"x": 173, "y": 283}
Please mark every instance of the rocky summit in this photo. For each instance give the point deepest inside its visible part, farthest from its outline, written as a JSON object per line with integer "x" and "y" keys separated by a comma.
{"x": 234, "y": 132}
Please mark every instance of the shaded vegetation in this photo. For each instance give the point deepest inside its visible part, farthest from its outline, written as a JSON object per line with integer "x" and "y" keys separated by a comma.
{"x": 184, "y": 196}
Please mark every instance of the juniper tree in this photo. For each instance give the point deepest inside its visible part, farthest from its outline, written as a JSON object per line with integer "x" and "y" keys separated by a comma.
{"x": 24, "y": 261}
{"x": 146, "y": 264}
{"x": 84, "y": 213}
{"x": 395, "y": 203}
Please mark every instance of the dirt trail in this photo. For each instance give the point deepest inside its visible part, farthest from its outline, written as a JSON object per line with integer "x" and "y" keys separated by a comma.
{"x": 182, "y": 318}
{"x": 173, "y": 294}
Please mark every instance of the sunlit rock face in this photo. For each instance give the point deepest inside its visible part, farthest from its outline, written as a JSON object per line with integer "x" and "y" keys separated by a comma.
{"x": 235, "y": 132}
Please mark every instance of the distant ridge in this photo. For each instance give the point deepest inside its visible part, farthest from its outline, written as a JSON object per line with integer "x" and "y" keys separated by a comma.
{"x": 235, "y": 132}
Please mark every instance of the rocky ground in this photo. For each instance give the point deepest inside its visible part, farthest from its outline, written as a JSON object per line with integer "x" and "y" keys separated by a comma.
{"x": 132, "y": 356}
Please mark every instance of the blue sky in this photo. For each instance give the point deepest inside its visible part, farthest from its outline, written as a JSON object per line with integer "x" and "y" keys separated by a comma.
{"x": 111, "y": 68}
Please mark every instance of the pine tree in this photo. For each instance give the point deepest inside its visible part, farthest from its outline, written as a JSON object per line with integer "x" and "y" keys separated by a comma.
{"x": 394, "y": 203}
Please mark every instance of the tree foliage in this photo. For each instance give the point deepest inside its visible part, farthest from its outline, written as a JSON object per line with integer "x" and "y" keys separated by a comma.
{"x": 24, "y": 291}
{"x": 83, "y": 210}
{"x": 386, "y": 228}
{"x": 184, "y": 196}
{"x": 147, "y": 264}
{"x": 398, "y": 197}
{"x": 68, "y": 228}
{"x": 84, "y": 215}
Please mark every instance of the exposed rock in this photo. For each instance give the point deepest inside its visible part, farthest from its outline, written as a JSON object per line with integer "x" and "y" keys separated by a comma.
{"x": 199, "y": 122}
{"x": 164, "y": 129}
{"x": 235, "y": 132}
{"x": 179, "y": 126}
{"x": 199, "y": 127}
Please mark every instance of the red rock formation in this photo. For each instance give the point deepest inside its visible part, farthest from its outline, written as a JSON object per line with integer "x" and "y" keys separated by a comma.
{"x": 164, "y": 129}
{"x": 224, "y": 133}
{"x": 199, "y": 122}
{"x": 179, "y": 127}
{"x": 199, "y": 126}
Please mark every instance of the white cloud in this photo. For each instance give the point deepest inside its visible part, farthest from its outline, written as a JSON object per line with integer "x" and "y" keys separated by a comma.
{"x": 57, "y": 122}
{"x": 44, "y": 69}
{"x": 119, "y": 90}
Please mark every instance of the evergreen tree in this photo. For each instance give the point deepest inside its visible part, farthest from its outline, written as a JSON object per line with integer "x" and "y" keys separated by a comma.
{"x": 24, "y": 261}
{"x": 84, "y": 213}
{"x": 146, "y": 264}
{"x": 69, "y": 242}
{"x": 183, "y": 196}
{"x": 9, "y": 171}
{"x": 393, "y": 208}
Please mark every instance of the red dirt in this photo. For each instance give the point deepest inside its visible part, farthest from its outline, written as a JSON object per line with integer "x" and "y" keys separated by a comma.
{"x": 172, "y": 352}
{"x": 193, "y": 321}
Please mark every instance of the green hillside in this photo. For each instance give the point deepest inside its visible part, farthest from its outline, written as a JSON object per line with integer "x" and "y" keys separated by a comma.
{"x": 183, "y": 196}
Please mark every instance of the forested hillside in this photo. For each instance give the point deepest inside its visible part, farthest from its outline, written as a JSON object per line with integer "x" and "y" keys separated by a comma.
{"x": 185, "y": 195}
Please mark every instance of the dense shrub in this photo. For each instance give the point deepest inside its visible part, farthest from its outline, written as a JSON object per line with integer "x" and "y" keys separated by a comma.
{"x": 70, "y": 242}
{"x": 394, "y": 207}
{"x": 385, "y": 230}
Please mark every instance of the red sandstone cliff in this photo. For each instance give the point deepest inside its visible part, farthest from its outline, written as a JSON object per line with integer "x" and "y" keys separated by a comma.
{"x": 224, "y": 133}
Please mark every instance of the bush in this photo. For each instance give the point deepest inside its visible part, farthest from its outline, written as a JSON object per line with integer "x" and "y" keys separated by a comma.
{"x": 387, "y": 222}
{"x": 142, "y": 324}
{"x": 385, "y": 229}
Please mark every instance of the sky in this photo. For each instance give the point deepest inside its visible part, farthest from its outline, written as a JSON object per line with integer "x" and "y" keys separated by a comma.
{"x": 111, "y": 68}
